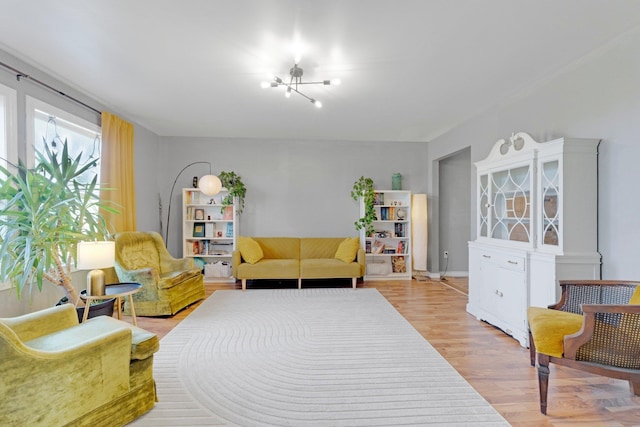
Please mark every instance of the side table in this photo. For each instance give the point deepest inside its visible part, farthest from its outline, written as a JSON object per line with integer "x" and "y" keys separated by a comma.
{"x": 117, "y": 290}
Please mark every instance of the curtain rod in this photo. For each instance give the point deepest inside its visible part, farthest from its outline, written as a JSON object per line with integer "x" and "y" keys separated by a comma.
{"x": 20, "y": 74}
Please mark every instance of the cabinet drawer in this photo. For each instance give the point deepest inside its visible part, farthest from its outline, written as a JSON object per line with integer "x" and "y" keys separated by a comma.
{"x": 510, "y": 262}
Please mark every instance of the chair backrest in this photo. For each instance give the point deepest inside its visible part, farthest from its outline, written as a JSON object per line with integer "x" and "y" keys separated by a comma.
{"x": 137, "y": 250}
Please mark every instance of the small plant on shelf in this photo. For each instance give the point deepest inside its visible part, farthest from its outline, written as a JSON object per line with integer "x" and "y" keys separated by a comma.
{"x": 234, "y": 184}
{"x": 363, "y": 188}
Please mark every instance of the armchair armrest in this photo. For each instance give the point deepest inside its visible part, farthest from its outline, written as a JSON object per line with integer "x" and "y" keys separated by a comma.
{"x": 44, "y": 322}
{"x": 602, "y": 325}
{"x": 60, "y": 365}
{"x": 236, "y": 260}
{"x": 147, "y": 277}
{"x": 361, "y": 258}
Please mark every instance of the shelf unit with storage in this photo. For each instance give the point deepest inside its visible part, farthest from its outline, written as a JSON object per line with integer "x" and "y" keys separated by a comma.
{"x": 388, "y": 250}
{"x": 209, "y": 232}
{"x": 536, "y": 225}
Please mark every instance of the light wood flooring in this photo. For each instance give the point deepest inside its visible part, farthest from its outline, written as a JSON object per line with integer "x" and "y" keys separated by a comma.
{"x": 492, "y": 362}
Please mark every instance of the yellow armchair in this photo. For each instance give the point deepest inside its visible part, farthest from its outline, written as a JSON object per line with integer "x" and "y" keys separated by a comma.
{"x": 56, "y": 371}
{"x": 595, "y": 327}
{"x": 168, "y": 284}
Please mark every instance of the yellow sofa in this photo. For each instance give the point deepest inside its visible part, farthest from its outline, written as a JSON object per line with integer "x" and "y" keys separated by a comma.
{"x": 168, "y": 284}
{"x": 298, "y": 258}
{"x": 58, "y": 372}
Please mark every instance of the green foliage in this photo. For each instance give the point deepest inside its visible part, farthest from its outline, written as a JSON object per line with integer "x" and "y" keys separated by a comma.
{"x": 44, "y": 213}
{"x": 234, "y": 184}
{"x": 363, "y": 188}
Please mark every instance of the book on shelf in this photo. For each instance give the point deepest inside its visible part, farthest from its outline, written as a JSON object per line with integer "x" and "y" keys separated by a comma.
{"x": 399, "y": 229}
{"x": 378, "y": 247}
{"x": 367, "y": 246}
{"x": 398, "y": 264}
{"x": 208, "y": 229}
{"x": 229, "y": 229}
{"x": 228, "y": 212}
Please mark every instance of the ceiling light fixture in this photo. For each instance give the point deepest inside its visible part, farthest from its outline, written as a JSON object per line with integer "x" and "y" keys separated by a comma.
{"x": 296, "y": 80}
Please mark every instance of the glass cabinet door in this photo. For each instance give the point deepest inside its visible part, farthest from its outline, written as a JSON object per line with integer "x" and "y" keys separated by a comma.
{"x": 510, "y": 211}
{"x": 549, "y": 215}
{"x": 483, "y": 211}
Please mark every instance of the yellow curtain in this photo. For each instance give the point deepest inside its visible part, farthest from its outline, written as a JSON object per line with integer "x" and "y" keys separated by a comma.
{"x": 117, "y": 173}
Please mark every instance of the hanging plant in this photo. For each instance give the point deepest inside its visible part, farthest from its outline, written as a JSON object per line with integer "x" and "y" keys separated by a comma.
{"x": 233, "y": 183}
{"x": 363, "y": 188}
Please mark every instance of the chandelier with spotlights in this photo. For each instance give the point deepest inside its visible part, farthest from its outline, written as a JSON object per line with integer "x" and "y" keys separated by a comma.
{"x": 296, "y": 80}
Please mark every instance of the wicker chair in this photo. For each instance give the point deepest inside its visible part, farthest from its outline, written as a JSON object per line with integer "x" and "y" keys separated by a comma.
{"x": 595, "y": 327}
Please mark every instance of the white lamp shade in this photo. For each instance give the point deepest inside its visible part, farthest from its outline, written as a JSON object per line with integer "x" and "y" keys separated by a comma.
{"x": 419, "y": 231}
{"x": 94, "y": 255}
{"x": 210, "y": 185}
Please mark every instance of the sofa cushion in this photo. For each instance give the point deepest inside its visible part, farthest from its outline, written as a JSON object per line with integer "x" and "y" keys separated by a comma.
{"x": 328, "y": 268}
{"x": 348, "y": 249}
{"x": 279, "y": 247}
{"x": 319, "y": 247}
{"x": 250, "y": 249}
{"x": 270, "y": 269}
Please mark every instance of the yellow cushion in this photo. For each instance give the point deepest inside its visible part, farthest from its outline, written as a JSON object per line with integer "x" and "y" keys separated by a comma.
{"x": 548, "y": 328}
{"x": 635, "y": 298}
{"x": 249, "y": 249}
{"x": 348, "y": 249}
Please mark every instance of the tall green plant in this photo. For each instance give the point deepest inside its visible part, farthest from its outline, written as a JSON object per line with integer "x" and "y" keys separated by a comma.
{"x": 363, "y": 188}
{"x": 234, "y": 184}
{"x": 44, "y": 213}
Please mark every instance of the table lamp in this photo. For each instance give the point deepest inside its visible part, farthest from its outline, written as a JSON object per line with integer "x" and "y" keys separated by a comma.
{"x": 94, "y": 256}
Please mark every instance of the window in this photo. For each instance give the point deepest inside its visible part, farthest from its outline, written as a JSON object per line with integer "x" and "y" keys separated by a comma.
{"x": 53, "y": 126}
{"x": 8, "y": 125}
{"x": 8, "y": 135}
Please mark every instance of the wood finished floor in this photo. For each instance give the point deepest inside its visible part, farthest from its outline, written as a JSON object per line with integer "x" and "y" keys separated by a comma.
{"x": 492, "y": 362}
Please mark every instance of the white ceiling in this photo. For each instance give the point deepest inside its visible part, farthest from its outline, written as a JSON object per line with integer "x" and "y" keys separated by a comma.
{"x": 410, "y": 69}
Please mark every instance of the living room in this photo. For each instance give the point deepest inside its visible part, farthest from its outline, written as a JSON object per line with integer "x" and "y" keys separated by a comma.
{"x": 299, "y": 185}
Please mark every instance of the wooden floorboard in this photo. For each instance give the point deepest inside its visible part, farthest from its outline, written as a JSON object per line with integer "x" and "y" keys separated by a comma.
{"x": 492, "y": 362}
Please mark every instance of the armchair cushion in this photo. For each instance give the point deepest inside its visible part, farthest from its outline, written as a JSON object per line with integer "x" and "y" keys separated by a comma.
{"x": 548, "y": 328}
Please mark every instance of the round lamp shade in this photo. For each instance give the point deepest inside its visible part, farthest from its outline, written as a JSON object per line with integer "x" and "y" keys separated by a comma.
{"x": 210, "y": 185}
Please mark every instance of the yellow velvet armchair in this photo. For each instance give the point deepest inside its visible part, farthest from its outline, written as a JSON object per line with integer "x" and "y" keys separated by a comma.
{"x": 595, "y": 327}
{"x": 55, "y": 371}
{"x": 168, "y": 284}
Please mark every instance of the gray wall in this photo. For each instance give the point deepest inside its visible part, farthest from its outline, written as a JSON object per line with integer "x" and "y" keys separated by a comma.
{"x": 294, "y": 188}
{"x": 454, "y": 210}
{"x": 598, "y": 97}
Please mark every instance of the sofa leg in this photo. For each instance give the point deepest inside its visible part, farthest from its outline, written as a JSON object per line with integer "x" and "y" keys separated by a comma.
{"x": 299, "y": 282}
{"x": 244, "y": 285}
{"x": 354, "y": 281}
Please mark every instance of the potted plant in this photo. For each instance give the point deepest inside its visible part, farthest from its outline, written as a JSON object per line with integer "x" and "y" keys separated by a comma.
{"x": 363, "y": 188}
{"x": 233, "y": 183}
{"x": 44, "y": 213}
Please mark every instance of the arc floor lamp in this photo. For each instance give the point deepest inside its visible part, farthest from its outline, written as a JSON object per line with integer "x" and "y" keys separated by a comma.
{"x": 209, "y": 185}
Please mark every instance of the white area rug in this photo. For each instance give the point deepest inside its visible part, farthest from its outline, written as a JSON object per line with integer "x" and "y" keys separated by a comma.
{"x": 310, "y": 357}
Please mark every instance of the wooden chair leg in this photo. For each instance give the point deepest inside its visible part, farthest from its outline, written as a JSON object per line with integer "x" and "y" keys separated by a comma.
{"x": 244, "y": 285}
{"x": 532, "y": 350}
{"x": 543, "y": 381}
{"x": 634, "y": 384}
